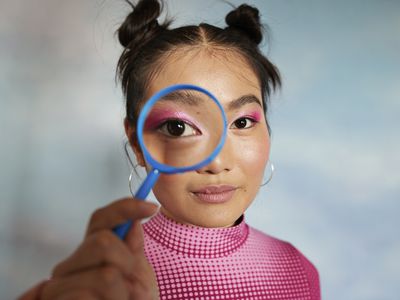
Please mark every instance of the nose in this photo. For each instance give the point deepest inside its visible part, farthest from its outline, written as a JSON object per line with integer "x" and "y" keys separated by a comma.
{"x": 223, "y": 162}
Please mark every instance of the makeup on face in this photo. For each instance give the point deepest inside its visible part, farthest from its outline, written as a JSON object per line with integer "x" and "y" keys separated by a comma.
{"x": 254, "y": 115}
{"x": 215, "y": 193}
{"x": 246, "y": 106}
{"x": 181, "y": 116}
{"x": 245, "y": 119}
{"x": 159, "y": 116}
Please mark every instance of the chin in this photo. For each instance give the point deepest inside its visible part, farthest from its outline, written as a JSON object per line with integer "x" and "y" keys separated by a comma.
{"x": 215, "y": 219}
{"x": 204, "y": 214}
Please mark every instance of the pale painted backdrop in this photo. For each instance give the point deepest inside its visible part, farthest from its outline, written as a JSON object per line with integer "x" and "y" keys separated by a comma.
{"x": 335, "y": 194}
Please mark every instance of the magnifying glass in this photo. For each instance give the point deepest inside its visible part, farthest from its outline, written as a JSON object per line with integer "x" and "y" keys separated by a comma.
{"x": 180, "y": 128}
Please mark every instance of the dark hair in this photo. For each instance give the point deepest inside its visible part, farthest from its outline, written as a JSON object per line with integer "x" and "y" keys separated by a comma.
{"x": 146, "y": 43}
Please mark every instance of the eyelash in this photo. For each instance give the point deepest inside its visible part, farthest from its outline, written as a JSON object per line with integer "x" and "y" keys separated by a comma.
{"x": 163, "y": 128}
{"x": 252, "y": 120}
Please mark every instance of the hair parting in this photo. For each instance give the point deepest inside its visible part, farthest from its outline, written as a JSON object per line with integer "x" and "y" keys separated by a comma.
{"x": 147, "y": 43}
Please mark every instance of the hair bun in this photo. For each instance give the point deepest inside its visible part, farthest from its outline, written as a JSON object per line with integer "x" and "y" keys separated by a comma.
{"x": 141, "y": 24}
{"x": 247, "y": 19}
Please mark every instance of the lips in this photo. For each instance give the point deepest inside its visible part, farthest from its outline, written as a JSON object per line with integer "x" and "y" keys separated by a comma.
{"x": 215, "y": 193}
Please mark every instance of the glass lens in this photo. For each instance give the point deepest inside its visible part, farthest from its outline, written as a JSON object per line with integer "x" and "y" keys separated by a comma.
{"x": 183, "y": 128}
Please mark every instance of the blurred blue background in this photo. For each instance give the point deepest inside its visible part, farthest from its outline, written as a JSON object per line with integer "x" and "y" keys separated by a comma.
{"x": 335, "y": 194}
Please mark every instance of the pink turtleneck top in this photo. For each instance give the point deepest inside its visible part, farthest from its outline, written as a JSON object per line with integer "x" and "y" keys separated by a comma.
{"x": 238, "y": 262}
{"x": 232, "y": 263}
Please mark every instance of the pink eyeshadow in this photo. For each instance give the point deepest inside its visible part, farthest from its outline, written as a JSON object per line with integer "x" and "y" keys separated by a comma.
{"x": 256, "y": 115}
{"x": 158, "y": 116}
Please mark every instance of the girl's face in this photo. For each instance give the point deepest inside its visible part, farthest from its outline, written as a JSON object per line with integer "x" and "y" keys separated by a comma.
{"x": 218, "y": 194}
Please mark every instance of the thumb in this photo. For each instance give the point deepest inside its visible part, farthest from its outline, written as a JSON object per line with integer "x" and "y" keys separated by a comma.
{"x": 135, "y": 239}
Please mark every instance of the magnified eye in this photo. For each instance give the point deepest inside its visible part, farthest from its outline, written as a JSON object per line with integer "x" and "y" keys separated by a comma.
{"x": 177, "y": 128}
{"x": 244, "y": 123}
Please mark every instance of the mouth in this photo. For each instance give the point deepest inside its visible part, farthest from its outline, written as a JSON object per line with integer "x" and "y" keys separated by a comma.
{"x": 215, "y": 193}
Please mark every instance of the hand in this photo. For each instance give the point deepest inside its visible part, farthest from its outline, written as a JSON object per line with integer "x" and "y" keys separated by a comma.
{"x": 103, "y": 266}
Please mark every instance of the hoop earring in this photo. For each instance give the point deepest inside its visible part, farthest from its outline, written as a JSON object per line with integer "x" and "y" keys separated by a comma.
{"x": 270, "y": 177}
{"x": 130, "y": 182}
{"x": 133, "y": 170}
{"x": 127, "y": 154}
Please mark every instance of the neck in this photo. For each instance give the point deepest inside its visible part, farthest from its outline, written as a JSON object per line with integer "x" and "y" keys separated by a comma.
{"x": 183, "y": 222}
{"x": 196, "y": 241}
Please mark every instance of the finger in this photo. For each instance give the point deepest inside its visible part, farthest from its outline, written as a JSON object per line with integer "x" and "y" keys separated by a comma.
{"x": 135, "y": 243}
{"x": 134, "y": 238}
{"x": 99, "y": 249}
{"x": 119, "y": 212}
{"x": 102, "y": 283}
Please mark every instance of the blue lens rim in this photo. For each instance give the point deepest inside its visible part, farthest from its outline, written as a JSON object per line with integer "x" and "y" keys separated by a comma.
{"x": 142, "y": 117}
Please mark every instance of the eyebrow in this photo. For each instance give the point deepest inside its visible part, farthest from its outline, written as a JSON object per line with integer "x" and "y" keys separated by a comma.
{"x": 192, "y": 98}
{"x": 184, "y": 96}
{"x": 243, "y": 100}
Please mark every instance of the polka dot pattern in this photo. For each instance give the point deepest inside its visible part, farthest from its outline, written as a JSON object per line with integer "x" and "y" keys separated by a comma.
{"x": 238, "y": 262}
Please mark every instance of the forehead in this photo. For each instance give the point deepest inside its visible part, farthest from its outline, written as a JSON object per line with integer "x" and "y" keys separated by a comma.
{"x": 224, "y": 73}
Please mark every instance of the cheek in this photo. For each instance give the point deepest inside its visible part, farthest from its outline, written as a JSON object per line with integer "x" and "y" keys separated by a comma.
{"x": 254, "y": 155}
{"x": 167, "y": 184}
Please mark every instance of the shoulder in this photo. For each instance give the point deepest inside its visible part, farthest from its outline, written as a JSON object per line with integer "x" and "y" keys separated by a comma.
{"x": 285, "y": 251}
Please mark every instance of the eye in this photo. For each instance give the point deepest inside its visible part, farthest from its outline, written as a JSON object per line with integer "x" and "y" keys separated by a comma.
{"x": 177, "y": 128}
{"x": 243, "y": 123}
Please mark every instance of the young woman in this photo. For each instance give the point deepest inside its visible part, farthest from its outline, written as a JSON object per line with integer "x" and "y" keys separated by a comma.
{"x": 193, "y": 247}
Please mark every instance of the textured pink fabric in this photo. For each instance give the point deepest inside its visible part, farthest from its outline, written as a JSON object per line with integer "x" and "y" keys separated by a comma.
{"x": 239, "y": 262}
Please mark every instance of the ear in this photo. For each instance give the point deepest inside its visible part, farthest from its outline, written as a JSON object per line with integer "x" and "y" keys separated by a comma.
{"x": 130, "y": 132}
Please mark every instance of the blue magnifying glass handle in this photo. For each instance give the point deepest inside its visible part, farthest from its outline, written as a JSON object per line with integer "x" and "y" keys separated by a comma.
{"x": 141, "y": 194}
